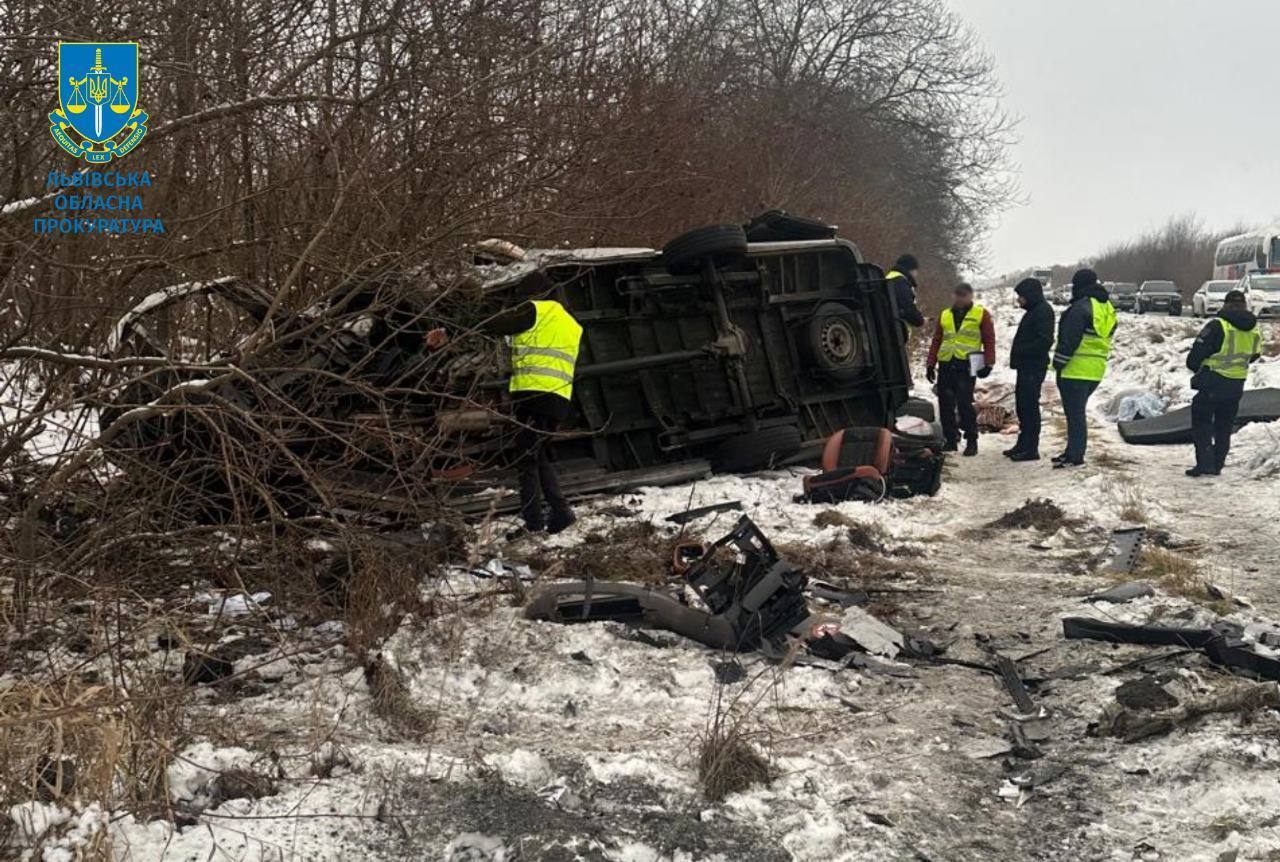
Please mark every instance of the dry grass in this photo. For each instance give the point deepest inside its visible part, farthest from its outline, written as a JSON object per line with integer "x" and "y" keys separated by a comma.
{"x": 728, "y": 761}
{"x": 639, "y": 551}
{"x": 1179, "y": 575}
{"x": 392, "y": 700}
{"x": 863, "y": 537}
{"x": 71, "y": 739}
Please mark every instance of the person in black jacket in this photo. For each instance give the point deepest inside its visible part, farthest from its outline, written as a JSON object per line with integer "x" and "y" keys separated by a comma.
{"x": 1029, "y": 356}
{"x": 1219, "y": 358}
{"x": 902, "y": 282}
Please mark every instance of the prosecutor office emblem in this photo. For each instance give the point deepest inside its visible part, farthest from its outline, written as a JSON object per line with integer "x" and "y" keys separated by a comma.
{"x": 98, "y": 117}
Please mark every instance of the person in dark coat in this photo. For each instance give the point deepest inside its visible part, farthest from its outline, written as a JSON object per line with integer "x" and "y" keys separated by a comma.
{"x": 1029, "y": 356}
{"x": 1219, "y": 358}
{"x": 1080, "y": 358}
{"x": 902, "y": 282}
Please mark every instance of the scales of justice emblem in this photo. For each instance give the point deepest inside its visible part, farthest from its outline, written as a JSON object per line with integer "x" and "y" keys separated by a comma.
{"x": 98, "y": 117}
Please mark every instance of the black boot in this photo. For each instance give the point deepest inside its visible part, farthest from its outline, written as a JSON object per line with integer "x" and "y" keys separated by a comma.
{"x": 971, "y": 447}
{"x": 1025, "y": 456}
{"x": 561, "y": 520}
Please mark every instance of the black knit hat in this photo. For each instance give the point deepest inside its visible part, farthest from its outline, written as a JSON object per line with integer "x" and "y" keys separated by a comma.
{"x": 907, "y": 263}
{"x": 1234, "y": 296}
{"x": 1030, "y": 287}
{"x": 1084, "y": 278}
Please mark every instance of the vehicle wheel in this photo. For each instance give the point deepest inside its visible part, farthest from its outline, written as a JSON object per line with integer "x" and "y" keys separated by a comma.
{"x": 756, "y": 450}
{"x": 686, "y": 252}
{"x": 920, "y": 408}
{"x": 833, "y": 341}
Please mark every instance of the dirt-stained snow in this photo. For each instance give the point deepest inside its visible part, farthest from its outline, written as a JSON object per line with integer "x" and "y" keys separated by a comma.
{"x": 580, "y": 742}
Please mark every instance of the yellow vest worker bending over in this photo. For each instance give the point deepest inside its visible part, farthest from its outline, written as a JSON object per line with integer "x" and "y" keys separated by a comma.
{"x": 544, "y": 351}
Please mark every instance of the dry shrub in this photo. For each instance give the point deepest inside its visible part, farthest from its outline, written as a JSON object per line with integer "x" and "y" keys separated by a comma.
{"x": 376, "y": 583}
{"x": 392, "y": 700}
{"x": 1173, "y": 572}
{"x": 727, "y": 760}
{"x": 1132, "y": 507}
{"x": 1040, "y": 514}
{"x": 91, "y": 742}
{"x": 864, "y": 537}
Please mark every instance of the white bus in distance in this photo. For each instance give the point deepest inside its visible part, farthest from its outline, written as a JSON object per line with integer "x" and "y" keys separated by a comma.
{"x": 1257, "y": 251}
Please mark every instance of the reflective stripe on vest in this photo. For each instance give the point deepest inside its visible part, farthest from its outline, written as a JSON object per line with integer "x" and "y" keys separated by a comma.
{"x": 543, "y": 357}
{"x": 1089, "y": 362}
{"x": 958, "y": 344}
{"x": 1238, "y": 347}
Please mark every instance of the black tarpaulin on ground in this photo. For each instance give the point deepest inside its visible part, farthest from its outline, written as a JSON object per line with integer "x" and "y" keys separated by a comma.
{"x": 1257, "y": 405}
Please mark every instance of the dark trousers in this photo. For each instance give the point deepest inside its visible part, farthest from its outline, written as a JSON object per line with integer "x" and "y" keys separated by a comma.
{"x": 538, "y": 480}
{"x": 1213, "y": 418}
{"x": 1026, "y": 397}
{"x": 1075, "y": 398}
{"x": 955, "y": 402}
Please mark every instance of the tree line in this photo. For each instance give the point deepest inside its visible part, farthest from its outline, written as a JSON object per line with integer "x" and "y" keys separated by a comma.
{"x": 294, "y": 143}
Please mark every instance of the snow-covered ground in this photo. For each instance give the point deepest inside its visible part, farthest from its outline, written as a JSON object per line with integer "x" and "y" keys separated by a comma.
{"x": 551, "y": 742}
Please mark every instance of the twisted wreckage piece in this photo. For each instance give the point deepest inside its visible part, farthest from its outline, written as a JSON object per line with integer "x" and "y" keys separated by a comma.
{"x": 1222, "y": 643}
{"x": 747, "y": 598}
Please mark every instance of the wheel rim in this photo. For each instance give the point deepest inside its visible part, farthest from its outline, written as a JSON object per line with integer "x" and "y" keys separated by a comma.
{"x": 839, "y": 345}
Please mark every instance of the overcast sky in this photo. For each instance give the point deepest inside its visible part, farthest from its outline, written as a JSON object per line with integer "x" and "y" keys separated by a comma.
{"x": 1132, "y": 111}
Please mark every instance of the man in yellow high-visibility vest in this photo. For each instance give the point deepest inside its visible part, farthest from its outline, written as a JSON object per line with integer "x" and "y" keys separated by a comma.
{"x": 1219, "y": 358}
{"x": 544, "y": 352}
{"x": 963, "y": 348}
{"x": 1080, "y": 358}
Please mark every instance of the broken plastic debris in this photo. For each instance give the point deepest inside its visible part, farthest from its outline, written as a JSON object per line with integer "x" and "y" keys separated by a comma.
{"x": 239, "y": 605}
{"x": 872, "y": 635}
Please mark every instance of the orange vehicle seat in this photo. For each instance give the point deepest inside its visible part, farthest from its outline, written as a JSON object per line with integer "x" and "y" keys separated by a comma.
{"x": 859, "y": 447}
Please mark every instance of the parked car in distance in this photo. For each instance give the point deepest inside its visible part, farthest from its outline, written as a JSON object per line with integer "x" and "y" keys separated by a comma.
{"x": 1124, "y": 295}
{"x": 1207, "y": 300}
{"x": 1159, "y": 296}
{"x": 1262, "y": 291}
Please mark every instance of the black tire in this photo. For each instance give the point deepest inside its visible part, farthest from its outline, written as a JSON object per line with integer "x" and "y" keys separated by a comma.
{"x": 833, "y": 341}
{"x": 919, "y": 408}
{"x": 756, "y": 450}
{"x": 721, "y": 243}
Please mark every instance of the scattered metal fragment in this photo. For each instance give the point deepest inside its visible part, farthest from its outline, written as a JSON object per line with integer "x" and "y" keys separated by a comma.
{"x": 984, "y": 747}
{"x": 1144, "y": 693}
{"x": 1126, "y": 543}
{"x": 869, "y": 633}
{"x": 1014, "y": 685}
{"x": 1222, "y": 643}
{"x": 1085, "y": 628}
{"x": 844, "y": 598}
{"x": 692, "y": 514}
{"x": 728, "y": 672}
